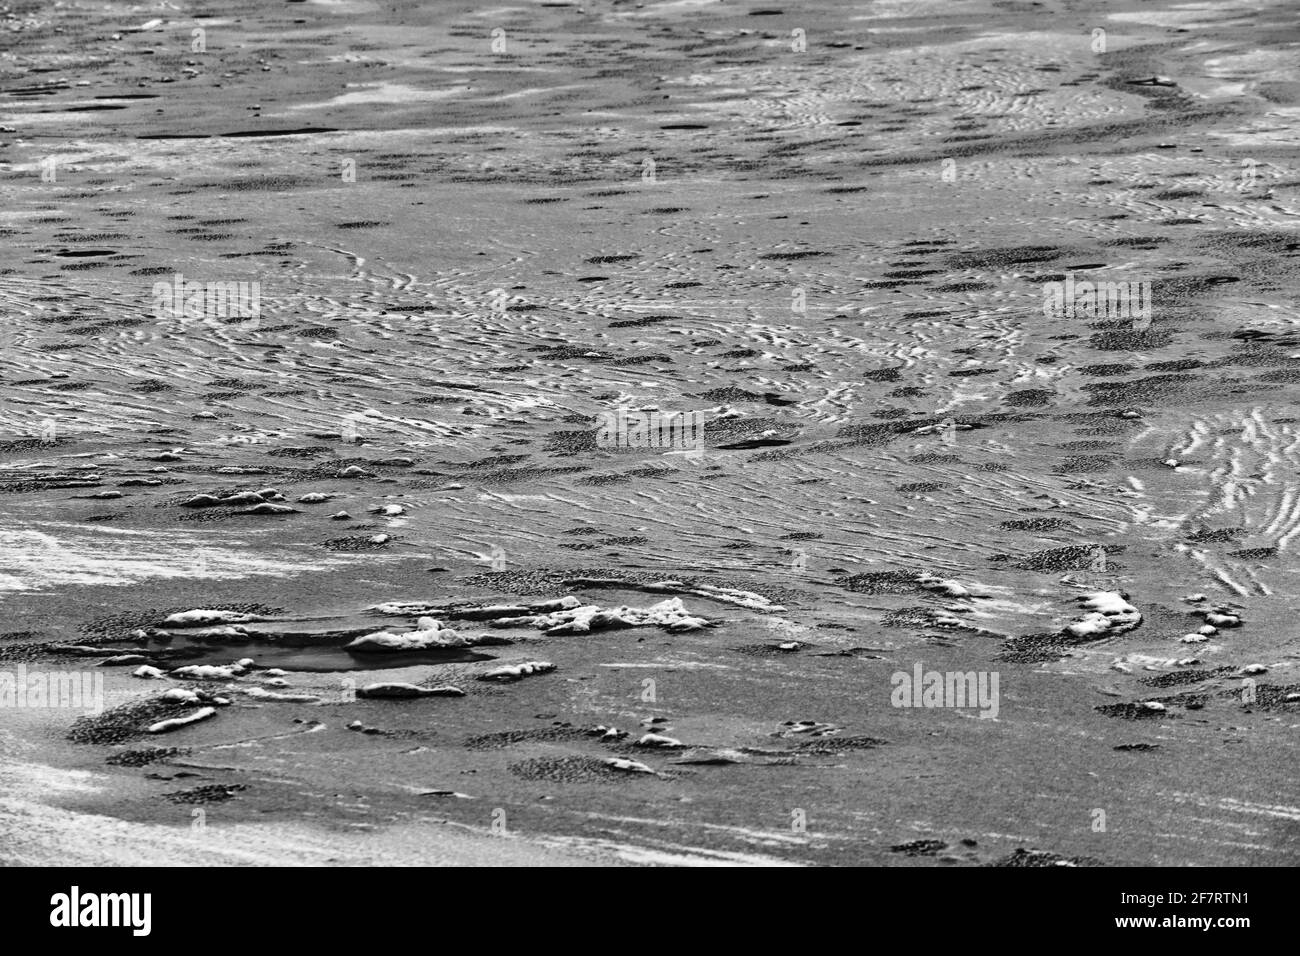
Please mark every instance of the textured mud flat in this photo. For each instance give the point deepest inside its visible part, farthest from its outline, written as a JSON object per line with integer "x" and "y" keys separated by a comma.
{"x": 360, "y": 578}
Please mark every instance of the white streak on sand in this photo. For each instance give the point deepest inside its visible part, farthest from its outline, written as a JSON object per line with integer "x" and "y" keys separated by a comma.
{"x": 40, "y": 834}
{"x": 68, "y": 554}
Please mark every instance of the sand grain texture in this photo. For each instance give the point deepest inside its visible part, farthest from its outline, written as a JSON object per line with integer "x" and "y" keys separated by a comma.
{"x": 837, "y": 254}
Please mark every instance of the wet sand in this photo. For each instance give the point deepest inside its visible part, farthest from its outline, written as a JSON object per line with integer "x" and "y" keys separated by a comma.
{"x": 475, "y": 231}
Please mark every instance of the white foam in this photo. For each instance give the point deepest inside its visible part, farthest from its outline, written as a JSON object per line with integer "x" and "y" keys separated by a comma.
{"x": 163, "y": 726}
{"x": 1107, "y": 612}
{"x": 429, "y": 633}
